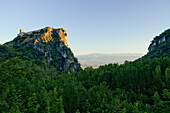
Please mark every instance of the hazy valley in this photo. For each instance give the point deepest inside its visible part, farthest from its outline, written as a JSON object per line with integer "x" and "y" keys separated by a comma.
{"x": 97, "y": 59}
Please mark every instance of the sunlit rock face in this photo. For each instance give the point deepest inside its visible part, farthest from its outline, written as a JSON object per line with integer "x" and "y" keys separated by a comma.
{"x": 47, "y": 34}
{"x": 63, "y": 35}
{"x": 51, "y": 44}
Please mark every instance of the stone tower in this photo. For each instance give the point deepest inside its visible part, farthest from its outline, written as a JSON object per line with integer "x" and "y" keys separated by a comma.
{"x": 21, "y": 30}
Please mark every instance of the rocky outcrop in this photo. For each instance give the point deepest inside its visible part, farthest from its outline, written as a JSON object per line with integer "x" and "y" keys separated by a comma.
{"x": 160, "y": 46}
{"x": 156, "y": 43}
{"x": 63, "y": 35}
{"x": 50, "y": 44}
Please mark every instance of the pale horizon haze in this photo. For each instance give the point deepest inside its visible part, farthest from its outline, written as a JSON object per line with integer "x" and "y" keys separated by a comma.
{"x": 93, "y": 26}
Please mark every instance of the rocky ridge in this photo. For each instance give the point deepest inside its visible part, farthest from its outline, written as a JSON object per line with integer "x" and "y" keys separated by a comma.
{"x": 160, "y": 46}
{"x": 47, "y": 43}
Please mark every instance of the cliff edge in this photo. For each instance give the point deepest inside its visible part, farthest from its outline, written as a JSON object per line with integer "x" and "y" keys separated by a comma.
{"x": 48, "y": 45}
{"x": 160, "y": 46}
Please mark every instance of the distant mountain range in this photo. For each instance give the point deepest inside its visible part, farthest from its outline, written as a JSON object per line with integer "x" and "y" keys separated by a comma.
{"x": 97, "y": 59}
{"x": 159, "y": 47}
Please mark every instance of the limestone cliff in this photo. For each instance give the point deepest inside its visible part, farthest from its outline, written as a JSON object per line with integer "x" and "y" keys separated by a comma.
{"x": 47, "y": 43}
{"x": 160, "y": 46}
{"x": 63, "y": 35}
{"x": 156, "y": 42}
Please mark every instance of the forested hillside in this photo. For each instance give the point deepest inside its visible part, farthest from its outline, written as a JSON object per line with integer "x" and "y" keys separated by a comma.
{"x": 139, "y": 86}
{"x": 39, "y": 74}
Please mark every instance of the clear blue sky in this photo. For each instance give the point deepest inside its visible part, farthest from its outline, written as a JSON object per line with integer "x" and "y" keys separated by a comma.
{"x": 93, "y": 26}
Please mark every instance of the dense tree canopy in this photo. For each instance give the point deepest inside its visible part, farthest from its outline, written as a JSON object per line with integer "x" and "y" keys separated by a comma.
{"x": 139, "y": 86}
